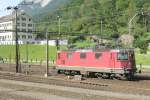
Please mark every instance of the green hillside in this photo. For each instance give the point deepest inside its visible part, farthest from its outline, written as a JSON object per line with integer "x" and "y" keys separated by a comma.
{"x": 86, "y": 16}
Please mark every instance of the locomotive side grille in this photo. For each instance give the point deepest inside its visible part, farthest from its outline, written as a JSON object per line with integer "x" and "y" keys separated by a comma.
{"x": 82, "y": 55}
{"x": 98, "y": 55}
{"x": 69, "y": 55}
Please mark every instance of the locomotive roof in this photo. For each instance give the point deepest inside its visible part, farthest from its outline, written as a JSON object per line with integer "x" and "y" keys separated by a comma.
{"x": 97, "y": 50}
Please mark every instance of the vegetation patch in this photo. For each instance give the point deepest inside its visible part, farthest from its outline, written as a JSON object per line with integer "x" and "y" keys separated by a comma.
{"x": 39, "y": 52}
{"x": 143, "y": 59}
{"x": 33, "y": 52}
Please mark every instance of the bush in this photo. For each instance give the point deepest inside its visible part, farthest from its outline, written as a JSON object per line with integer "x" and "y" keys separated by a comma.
{"x": 142, "y": 44}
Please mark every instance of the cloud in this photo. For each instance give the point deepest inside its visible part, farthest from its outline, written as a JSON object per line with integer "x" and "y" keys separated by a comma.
{"x": 43, "y": 3}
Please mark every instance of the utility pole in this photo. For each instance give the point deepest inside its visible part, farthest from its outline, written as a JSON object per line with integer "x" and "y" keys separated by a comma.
{"x": 18, "y": 68}
{"x": 144, "y": 15}
{"x": 101, "y": 31}
{"x": 57, "y": 41}
{"x": 101, "y": 26}
{"x": 47, "y": 53}
{"x": 59, "y": 24}
{"x": 16, "y": 38}
{"x": 130, "y": 23}
{"x": 27, "y": 52}
{"x": 131, "y": 19}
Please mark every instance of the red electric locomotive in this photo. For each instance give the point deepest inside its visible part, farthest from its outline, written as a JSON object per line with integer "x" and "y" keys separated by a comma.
{"x": 117, "y": 63}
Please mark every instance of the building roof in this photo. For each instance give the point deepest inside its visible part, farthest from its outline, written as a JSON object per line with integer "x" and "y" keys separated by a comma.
{"x": 7, "y": 18}
{"x": 12, "y": 16}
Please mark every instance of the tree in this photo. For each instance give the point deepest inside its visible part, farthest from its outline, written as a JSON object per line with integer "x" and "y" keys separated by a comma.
{"x": 142, "y": 44}
{"x": 84, "y": 16}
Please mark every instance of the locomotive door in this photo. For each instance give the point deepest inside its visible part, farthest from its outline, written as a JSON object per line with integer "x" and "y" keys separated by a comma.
{"x": 62, "y": 56}
{"x": 112, "y": 60}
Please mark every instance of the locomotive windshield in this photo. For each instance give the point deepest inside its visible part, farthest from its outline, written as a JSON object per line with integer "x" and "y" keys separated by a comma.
{"x": 122, "y": 56}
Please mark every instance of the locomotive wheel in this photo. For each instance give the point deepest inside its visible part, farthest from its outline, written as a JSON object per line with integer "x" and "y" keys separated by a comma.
{"x": 60, "y": 71}
{"x": 98, "y": 75}
{"x": 121, "y": 77}
{"x": 67, "y": 72}
{"x": 105, "y": 76}
{"x": 75, "y": 73}
{"x": 112, "y": 76}
{"x": 92, "y": 74}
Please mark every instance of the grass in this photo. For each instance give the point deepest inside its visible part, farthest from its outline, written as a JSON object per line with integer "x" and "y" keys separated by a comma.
{"x": 143, "y": 59}
{"x": 38, "y": 52}
{"x": 34, "y": 52}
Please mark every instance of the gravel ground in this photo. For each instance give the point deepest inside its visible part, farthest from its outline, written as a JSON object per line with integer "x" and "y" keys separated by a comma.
{"x": 139, "y": 89}
{"x": 24, "y": 94}
{"x": 22, "y": 90}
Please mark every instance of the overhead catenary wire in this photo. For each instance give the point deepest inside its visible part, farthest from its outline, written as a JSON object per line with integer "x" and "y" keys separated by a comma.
{"x": 55, "y": 33}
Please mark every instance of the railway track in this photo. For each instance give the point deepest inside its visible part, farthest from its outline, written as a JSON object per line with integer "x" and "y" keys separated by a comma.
{"x": 141, "y": 87}
{"x": 51, "y": 80}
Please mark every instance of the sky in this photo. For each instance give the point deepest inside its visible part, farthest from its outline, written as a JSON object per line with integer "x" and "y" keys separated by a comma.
{"x": 43, "y": 3}
{"x": 5, "y": 3}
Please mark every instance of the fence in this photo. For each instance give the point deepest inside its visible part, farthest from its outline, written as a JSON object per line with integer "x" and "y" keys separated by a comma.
{"x": 43, "y": 62}
{"x": 143, "y": 66}
{"x": 30, "y": 61}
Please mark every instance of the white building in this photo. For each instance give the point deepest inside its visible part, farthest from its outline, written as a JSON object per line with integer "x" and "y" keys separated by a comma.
{"x": 53, "y": 42}
{"x": 25, "y": 25}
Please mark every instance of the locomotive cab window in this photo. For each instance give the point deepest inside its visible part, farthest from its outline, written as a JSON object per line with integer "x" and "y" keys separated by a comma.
{"x": 82, "y": 55}
{"x": 98, "y": 55}
{"x": 122, "y": 56}
{"x": 69, "y": 55}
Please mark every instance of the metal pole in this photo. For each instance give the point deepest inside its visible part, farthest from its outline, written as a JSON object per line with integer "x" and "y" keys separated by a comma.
{"x": 130, "y": 22}
{"x": 145, "y": 22}
{"x": 57, "y": 41}
{"x": 18, "y": 68}
{"x": 101, "y": 30}
{"x": 59, "y": 25}
{"x": 47, "y": 55}
{"x": 17, "y": 45}
{"x": 27, "y": 52}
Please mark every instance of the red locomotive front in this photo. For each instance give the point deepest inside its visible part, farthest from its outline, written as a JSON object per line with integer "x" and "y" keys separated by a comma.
{"x": 108, "y": 63}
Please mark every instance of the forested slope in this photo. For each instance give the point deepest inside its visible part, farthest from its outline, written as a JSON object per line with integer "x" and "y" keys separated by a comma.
{"x": 90, "y": 16}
